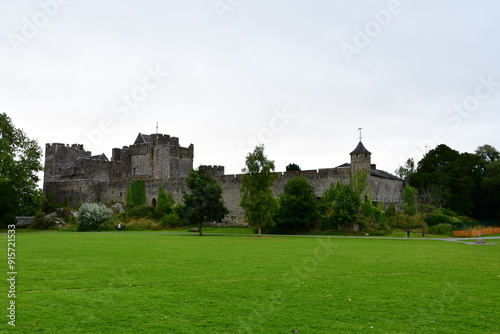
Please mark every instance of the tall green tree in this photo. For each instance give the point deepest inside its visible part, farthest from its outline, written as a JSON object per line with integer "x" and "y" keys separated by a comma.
{"x": 405, "y": 172}
{"x": 256, "y": 190}
{"x": 297, "y": 207}
{"x": 488, "y": 204}
{"x": 204, "y": 202}
{"x": 20, "y": 160}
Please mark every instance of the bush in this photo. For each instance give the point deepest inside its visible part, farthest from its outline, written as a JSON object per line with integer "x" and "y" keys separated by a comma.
{"x": 171, "y": 220}
{"x": 142, "y": 211}
{"x": 391, "y": 210}
{"x": 165, "y": 204}
{"x": 441, "y": 229}
{"x": 109, "y": 225}
{"x": 437, "y": 217}
{"x": 91, "y": 215}
{"x": 142, "y": 225}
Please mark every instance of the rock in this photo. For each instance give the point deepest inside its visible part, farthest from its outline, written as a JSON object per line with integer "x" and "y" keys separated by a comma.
{"x": 118, "y": 208}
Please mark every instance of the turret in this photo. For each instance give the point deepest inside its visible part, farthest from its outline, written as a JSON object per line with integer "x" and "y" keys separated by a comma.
{"x": 360, "y": 158}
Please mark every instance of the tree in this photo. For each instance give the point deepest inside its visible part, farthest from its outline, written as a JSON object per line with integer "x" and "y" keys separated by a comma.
{"x": 346, "y": 205}
{"x": 292, "y": 167}
{"x": 339, "y": 206}
{"x": 165, "y": 203}
{"x": 489, "y": 197}
{"x": 20, "y": 160}
{"x": 256, "y": 194}
{"x": 405, "y": 172}
{"x": 410, "y": 203}
{"x": 136, "y": 194}
{"x": 203, "y": 203}
{"x": 297, "y": 207}
{"x": 488, "y": 153}
{"x": 358, "y": 183}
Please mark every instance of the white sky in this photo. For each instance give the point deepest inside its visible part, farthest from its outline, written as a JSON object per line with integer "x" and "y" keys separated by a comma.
{"x": 393, "y": 68}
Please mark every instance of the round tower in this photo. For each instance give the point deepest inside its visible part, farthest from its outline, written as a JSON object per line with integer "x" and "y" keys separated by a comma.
{"x": 360, "y": 158}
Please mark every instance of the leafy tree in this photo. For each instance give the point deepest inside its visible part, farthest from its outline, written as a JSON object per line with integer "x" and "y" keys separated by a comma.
{"x": 464, "y": 174}
{"x": 339, "y": 206}
{"x": 370, "y": 215}
{"x": 136, "y": 194}
{"x": 297, "y": 207}
{"x": 346, "y": 205}
{"x": 488, "y": 204}
{"x": 20, "y": 160}
{"x": 488, "y": 153}
{"x": 165, "y": 204}
{"x": 203, "y": 203}
{"x": 326, "y": 207}
{"x": 410, "y": 203}
{"x": 405, "y": 172}
{"x": 292, "y": 167}
{"x": 452, "y": 176}
{"x": 358, "y": 183}
{"x": 256, "y": 194}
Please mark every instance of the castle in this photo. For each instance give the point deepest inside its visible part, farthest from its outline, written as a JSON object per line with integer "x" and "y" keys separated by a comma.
{"x": 74, "y": 176}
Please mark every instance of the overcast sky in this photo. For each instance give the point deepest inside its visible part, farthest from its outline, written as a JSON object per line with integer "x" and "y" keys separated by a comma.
{"x": 298, "y": 76}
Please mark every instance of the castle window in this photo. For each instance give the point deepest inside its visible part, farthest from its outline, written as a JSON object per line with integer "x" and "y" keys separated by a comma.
{"x": 154, "y": 202}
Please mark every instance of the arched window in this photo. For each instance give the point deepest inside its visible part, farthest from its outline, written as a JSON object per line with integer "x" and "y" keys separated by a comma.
{"x": 154, "y": 203}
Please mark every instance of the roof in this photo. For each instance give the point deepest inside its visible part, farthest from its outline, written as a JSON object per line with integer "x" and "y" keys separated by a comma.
{"x": 375, "y": 172}
{"x": 385, "y": 175}
{"x": 141, "y": 139}
{"x": 78, "y": 162}
{"x": 360, "y": 149}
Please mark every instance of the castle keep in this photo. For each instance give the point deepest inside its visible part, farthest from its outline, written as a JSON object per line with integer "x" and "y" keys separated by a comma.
{"x": 74, "y": 176}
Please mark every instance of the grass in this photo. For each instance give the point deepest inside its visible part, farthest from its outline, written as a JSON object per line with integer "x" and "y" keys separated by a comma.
{"x": 145, "y": 282}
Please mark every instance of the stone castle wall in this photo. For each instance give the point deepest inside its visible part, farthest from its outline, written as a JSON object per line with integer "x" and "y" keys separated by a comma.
{"x": 73, "y": 177}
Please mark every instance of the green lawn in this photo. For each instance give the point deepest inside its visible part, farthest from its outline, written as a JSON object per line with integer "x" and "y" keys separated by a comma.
{"x": 143, "y": 282}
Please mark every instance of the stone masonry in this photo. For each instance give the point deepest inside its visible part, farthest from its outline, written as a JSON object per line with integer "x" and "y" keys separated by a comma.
{"x": 74, "y": 176}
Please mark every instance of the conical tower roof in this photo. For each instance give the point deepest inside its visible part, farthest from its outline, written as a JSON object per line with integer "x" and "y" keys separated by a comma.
{"x": 360, "y": 149}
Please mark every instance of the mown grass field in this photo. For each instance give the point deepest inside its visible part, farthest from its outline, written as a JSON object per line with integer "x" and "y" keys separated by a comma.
{"x": 141, "y": 282}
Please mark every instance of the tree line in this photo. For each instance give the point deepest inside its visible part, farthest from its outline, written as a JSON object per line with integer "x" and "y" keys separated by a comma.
{"x": 465, "y": 183}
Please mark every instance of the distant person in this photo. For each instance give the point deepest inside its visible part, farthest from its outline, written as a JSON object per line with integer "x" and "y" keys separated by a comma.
{"x": 407, "y": 233}
{"x": 119, "y": 228}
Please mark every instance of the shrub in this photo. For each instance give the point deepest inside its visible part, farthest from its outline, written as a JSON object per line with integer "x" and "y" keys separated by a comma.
{"x": 437, "y": 217}
{"x": 91, "y": 215}
{"x": 171, "y": 220}
{"x": 441, "y": 229}
{"x": 142, "y": 211}
{"x": 391, "y": 210}
{"x": 165, "y": 204}
{"x": 109, "y": 225}
{"x": 142, "y": 225}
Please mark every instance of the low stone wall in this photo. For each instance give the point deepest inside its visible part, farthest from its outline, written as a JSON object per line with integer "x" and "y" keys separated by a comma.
{"x": 476, "y": 233}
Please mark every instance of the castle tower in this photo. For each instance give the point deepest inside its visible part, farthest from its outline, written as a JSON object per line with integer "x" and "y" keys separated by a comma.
{"x": 360, "y": 158}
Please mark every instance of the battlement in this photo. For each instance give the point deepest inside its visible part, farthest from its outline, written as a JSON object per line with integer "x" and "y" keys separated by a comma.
{"x": 213, "y": 170}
